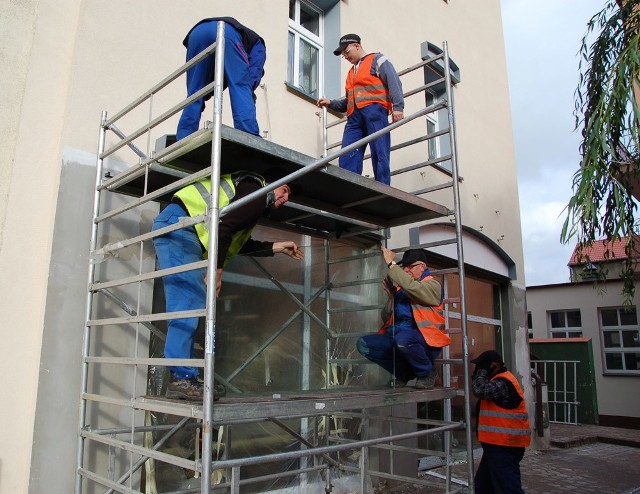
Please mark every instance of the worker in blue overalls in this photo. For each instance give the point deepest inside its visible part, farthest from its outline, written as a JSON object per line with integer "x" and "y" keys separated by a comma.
{"x": 244, "y": 57}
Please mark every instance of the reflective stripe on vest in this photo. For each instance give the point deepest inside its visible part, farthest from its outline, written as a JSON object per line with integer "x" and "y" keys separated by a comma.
{"x": 364, "y": 88}
{"x": 501, "y": 426}
{"x": 430, "y": 322}
{"x": 196, "y": 197}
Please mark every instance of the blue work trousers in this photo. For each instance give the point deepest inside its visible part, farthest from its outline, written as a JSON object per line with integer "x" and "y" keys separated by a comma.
{"x": 499, "y": 470}
{"x": 361, "y": 123}
{"x": 182, "y": 291}
{"x": 405, "y": 355}
{"x": 239, "y": 77}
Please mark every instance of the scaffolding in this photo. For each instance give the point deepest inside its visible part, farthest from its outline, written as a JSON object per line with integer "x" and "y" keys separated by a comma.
{"x": 341, "y": 429}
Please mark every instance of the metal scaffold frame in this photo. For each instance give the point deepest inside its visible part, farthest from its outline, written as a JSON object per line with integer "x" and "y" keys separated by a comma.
{"x": 209, "y": 415}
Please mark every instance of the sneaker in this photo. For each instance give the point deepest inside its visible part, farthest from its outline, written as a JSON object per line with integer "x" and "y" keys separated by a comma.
{"x": 189, "y": 389}
{"x": 397, "y": 383}
{"x": 428, "y": 381}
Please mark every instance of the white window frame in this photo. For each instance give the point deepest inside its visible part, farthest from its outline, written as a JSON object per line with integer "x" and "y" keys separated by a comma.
{"x": 621, "y": 349}
{"x": 566, "y": 330}
{"x": 432, "y": 118}
{"x": 300, "y": 32}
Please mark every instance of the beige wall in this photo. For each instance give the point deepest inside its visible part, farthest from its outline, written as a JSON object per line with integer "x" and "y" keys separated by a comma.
{"x": 71, "y": 59}
{"x": 616, "y": 395}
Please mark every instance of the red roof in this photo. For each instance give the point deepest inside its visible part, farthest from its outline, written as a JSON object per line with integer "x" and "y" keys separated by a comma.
{"x": 602, "y": 251}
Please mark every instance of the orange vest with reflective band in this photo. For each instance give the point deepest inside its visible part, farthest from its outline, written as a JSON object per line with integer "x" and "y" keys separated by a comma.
{"x": 497, "y": 425}
{"x": 430, "y": 321}
{"x": 363, "y": 88}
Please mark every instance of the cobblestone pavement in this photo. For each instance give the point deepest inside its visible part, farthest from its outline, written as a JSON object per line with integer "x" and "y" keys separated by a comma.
{"x": 582, "y": 459}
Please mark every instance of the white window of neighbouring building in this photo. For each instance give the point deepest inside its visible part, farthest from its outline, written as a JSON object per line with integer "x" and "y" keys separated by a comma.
{"x": 305, "y": 47}
{"x": 620, "y": 340}
{"x": 565, "y": 324}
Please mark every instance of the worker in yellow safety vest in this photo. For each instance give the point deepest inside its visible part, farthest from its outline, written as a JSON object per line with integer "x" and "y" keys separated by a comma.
{"x": 187, "y": 290}
{"x": 502, "y": 425}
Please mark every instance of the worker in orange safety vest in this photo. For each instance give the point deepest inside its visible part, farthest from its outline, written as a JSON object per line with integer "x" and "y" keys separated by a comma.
{"x": 502, "y": 425}
{"x": 373, "y": 92}
{"x": 413, "y": 334}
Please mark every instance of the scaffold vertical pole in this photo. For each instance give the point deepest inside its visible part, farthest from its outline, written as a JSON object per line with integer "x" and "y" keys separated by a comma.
{"x": 461, "y": 273}
{"x": 212, "y": 274}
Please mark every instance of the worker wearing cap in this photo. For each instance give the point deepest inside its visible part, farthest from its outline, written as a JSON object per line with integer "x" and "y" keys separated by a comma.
{"x": 187, "y": 290}
{"x": 244, "y": 57}
{"x": 373, "y": 91}
{"x": 413, "y": 334}
{"x": 502, "y": 425}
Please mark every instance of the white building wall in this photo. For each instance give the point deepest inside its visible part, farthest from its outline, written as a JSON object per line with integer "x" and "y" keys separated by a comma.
{"x": 71, "y": 59}
{"x": 617, "y": 395}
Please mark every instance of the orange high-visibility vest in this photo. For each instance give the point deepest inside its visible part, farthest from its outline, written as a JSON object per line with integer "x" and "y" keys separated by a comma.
{"x": 430, "y": 321}
{"x": 501, "y": 426}
{"x": 363, "y": 88}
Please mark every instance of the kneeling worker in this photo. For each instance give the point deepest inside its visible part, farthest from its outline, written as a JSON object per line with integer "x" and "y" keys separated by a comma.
{"x": 413, "y": 334}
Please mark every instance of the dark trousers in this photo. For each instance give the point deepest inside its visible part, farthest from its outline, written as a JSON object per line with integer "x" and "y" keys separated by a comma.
{"x": 361, "y": 123}
{"x": 405, "y": 355}
{"x": 499, "y": 470}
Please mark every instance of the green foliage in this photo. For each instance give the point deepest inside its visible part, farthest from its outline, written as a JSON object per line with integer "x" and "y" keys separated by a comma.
{"x": 602, "y": 206}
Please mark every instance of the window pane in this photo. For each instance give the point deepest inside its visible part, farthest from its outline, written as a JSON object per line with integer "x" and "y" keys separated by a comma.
{"x": 613, "y": 361}
{"x": 611, "y": 339}
{"x": 632, "y": 361}
{"x": 630, "y": 339}
{"x": 431, "y": 128}
{"x": 309, "y": 19}
{"x": 628, "y": 318}
{"x": 573, "y": 319}
{"x": 308, "y": 74}
{"x": 291, "y": 62}
{"x": 529, "y": 321}
{"x": 609, "y": 317}
{"x": 292, "y": 10}
{"x": 558, "y": 334}
{"x": 575, "y": 334}
{"x": 557, "y": 320}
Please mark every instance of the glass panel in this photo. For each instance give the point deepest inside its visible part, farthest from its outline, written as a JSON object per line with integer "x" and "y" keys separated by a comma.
{"x": 292, "y": 10}
{"x": 613, "y": 361}
{"x": 309, "y": 19}
{"x": 609, "y": 317}
{"x": 291, "y": 59}
{"x": 529, "y": 321}
{"x": 308, "y": 71}
{"x": 558, "y": 334}
{"x": 431, "y": 128}
{"x": 573, "y": 319}
{"x": 611, "y": 339}
{"x": 575, "y": 334}
{"x": 628, "y": 318}
{"x": 630, "y": 339}
{"x": 557, "y": 320}
{"x": 632, "y": 361}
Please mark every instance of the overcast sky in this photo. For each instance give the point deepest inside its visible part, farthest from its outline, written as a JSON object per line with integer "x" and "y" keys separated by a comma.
{"x": 542, "y": 39}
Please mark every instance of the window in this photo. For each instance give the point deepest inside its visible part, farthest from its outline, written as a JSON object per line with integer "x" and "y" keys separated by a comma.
{"x": 565, "y": 324}
{"x": 620, "y": 340}
{"x": 530, "y": 324}
{"x": 432, "y": 126}
{"x": 305, "y": 47}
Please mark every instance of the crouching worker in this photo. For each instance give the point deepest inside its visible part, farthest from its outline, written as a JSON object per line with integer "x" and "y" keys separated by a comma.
{"x": 502, "y": 424}
{"x": 413, "y": 334}
{"x": 187, "y": 290}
